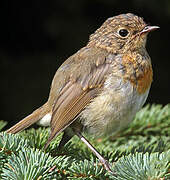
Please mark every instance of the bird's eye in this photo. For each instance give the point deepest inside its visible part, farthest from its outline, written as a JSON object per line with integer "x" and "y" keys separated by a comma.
{"x": 123, "y": 32}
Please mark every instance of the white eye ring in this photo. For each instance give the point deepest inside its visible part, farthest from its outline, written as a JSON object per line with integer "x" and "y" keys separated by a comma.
{"x": 123, "y": 32}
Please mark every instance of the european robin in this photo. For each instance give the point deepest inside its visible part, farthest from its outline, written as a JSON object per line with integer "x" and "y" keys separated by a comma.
{"x": 100, "y": 88}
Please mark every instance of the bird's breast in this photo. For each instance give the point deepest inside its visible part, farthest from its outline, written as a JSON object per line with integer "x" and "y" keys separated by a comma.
{"x": 137, "y": 69}
{"x": 114, "y": 108}
{"x": 124, "y": 92}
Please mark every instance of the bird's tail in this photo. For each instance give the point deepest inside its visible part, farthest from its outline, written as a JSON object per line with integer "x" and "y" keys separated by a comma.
{"x": 29, "y": 120}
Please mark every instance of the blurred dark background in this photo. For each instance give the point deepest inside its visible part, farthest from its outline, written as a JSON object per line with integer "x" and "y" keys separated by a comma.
{"x": 37, "y": 36}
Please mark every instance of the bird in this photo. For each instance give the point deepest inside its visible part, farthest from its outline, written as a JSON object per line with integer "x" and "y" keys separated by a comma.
{"x": 99, "y": 89}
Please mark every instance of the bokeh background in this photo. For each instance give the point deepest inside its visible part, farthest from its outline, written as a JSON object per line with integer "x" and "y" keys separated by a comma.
{"x": 37, "y": 36}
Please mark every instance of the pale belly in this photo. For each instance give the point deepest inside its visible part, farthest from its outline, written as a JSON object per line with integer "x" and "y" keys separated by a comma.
{"x": 112, "y": 110}
{"x": 109, "y": 112}
{"x": 45, "y": 121}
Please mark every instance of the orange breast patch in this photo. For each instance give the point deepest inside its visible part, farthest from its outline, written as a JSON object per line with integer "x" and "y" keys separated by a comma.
{"x": 138, "y": 72}
{"x": 144, "y": 80}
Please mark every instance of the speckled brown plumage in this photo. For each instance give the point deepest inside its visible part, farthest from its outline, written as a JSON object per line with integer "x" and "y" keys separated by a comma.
{"x": 100, "y": 88}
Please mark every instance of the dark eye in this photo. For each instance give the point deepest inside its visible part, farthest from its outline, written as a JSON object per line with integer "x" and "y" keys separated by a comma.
{"x": 123, "y": 32}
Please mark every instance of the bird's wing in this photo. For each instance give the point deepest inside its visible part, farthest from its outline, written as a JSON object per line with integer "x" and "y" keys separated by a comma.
{"x": 75, "y": 95}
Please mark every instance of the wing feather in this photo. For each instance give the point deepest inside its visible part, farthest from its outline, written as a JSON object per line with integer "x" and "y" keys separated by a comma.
{"x": 74, "y": 97}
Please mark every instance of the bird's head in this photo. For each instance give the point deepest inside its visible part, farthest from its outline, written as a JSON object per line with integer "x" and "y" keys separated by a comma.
{"x": 121, "y": 33}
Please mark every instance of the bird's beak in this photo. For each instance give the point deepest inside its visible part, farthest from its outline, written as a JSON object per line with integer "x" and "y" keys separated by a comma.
{"x": 149, "y": 29}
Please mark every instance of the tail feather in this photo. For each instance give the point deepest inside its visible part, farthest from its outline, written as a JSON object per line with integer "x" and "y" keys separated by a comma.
{"x": 28, "y": 121}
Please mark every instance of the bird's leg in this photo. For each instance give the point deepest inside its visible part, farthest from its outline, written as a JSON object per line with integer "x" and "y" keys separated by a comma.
{"x": 66, "y": 137}
{"x": 102, "y": 159}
